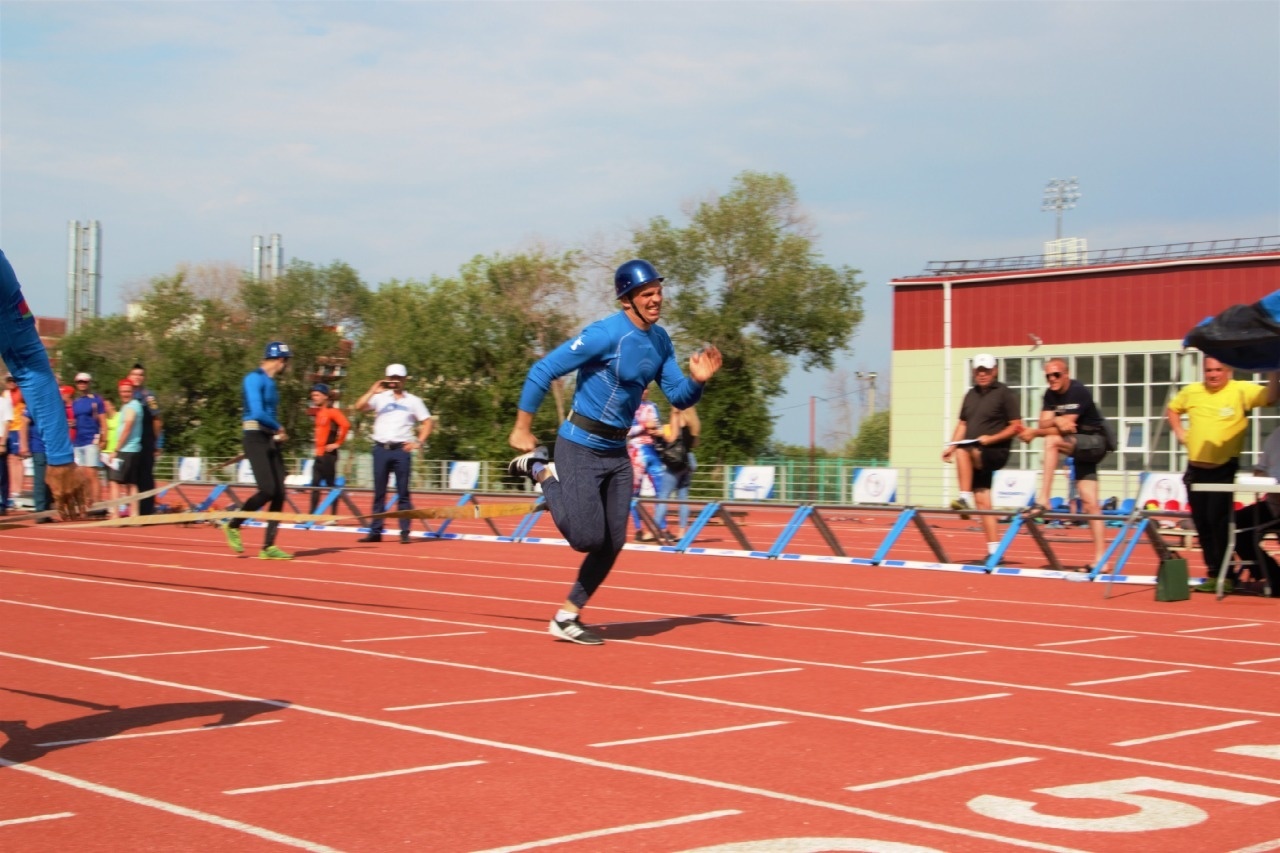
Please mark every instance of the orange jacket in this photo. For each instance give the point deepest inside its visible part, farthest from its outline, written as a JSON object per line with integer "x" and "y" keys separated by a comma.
{"x": 332, "y": 427}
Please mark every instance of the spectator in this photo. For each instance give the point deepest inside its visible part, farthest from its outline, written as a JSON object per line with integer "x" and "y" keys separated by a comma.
{"x": 33, "y": 448}
{"x": 681, "y": 434}
{"x": 395, "y": 414}
{"x": 615, "y": 360}
{"x": 646, "y": 428}
{"x": 124, "y": 451}
{"x": 1071, "y": 426}
{"x": 1217, "y": 410}
{"x": 1255, "y": 521}
{"x": 90, "y": 414}
{"x": 67, "y": 392}
{"x": 263, "y": 437}
{"x": 152, "y": 438}
{"x": 13, "y": 460}
{"x": 990, "y": 416}
{"x": 332, "y": 427}
{"x": 6, "y": 415}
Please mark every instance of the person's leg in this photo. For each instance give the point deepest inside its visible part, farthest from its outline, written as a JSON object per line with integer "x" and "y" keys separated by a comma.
{"x": 318, "y": 475}
{"x": 381, "y": 473}
{"x": 146, "y": 481}
{"x": 256, "y": 450}
{"x": 1251, "y": 528}
{"x": 1211, "y": 512}
{"x": 274, "y": 488}
{"x": 1055, "y": 446}
{"x": 39, "y": 489}
{"x": 402, "y": 465}
{"x": 4, "y": 481}
{"x": 684, "y": 479}
{"x": 1097, "y": 528}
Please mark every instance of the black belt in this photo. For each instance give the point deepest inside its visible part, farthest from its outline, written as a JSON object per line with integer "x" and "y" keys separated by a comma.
{"x": 597, "y": 428}
{"x": 390, "y": 445}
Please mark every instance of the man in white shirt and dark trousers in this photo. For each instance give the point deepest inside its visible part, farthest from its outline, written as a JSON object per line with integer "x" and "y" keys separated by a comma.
{"x": 397, "y": 414}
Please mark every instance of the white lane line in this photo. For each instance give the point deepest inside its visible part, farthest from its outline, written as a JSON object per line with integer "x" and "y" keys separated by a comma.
{"x": 1268, "y": 751}
{"x": 914, "y": 603}
{"x": 766, "y": 793}
{"x": 189, "y": 652}
{"x": 732, "y": 675}
{"x": 691, "y": 734}
{"x": 925, "y": 657}
{"x": 615, "y": 830}
{"x": 1251, "y": 662}
{"x": 939, "y": 774}
{"x": 1261, "y": 847}
{"x": 337, "y": 780}
{"x": 935, "y": 702}
{"x": 157, "y": 734}
{"x": 779, "y": 612}
{"x": 1218, "y": 628}
{"x": 170, "y": 808}
{"x": 1185, "y": 733}
{"x": 480, "y": 701}
{"x": 1130, "y": 677}
{"x": 1090, "y": 640}
{"x": 17, "y": 820}
{"x": 414, "y": 637}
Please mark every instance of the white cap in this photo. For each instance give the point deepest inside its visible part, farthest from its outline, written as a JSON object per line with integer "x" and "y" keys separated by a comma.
{"x": 985, "y": 360}
{"x": 83, "y": 377}
{"x": 396, "y": 370}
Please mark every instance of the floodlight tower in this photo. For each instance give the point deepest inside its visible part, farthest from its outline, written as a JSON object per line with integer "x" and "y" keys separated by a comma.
{"x": 1060, "y": 194}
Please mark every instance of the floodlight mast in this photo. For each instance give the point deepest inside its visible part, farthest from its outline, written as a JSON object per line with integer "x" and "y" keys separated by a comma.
{"x": 1060, "y": 194}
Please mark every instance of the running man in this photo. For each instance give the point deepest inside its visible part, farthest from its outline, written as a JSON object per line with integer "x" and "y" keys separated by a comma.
{"x": 615, "y": 358}
{"x": 263, "y": 438}
{"x": 27, "y": 360}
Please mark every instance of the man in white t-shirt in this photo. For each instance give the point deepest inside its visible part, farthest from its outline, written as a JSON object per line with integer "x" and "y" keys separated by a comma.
{"x": 400, "y": 427}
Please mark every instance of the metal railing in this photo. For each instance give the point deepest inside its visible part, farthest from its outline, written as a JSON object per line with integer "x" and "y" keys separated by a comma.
{"x": 1099, "y": 257}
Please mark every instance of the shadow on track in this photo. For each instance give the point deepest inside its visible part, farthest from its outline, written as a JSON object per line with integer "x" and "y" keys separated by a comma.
{"x": 28, "y": 744}
{"x": 653, "y": 627}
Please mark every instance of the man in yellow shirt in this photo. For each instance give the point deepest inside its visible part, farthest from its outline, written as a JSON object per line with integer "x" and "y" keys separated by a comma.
{"x": 1217, "y": 411}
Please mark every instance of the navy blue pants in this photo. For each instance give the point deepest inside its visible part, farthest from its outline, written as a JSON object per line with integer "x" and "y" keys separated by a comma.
{"x": 589, "y": 499}
{"x": 385, "y": 463}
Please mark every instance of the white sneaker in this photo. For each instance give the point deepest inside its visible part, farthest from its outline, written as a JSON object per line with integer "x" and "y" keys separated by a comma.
{"x": 574, "y": 631}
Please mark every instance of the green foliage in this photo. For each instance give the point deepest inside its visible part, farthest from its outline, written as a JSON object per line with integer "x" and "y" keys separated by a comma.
{"x": 469, "y": 342}
{"x": 872, "y": 440}
{"x": 745, "y": 275}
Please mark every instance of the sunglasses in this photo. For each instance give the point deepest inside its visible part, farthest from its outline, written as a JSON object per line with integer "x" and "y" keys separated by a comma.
{"x": 1054, "y": 375}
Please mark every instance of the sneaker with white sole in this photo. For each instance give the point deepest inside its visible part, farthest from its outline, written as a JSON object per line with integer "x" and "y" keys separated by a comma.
{"x": 522, "y": 465}
{"x": 575, "y": 632}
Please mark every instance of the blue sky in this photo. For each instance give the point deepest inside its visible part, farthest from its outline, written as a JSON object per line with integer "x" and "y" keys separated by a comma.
{"x": 406, "y": 137}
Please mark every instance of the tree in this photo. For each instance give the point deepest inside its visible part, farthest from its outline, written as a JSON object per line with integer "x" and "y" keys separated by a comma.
{"x": 744, "y": 274}
{"x": 468, "y": 342}
{"x": 872, "y": 440}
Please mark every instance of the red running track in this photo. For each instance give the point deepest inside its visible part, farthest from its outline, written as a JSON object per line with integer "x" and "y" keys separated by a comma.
{"x": 159, "y": 693}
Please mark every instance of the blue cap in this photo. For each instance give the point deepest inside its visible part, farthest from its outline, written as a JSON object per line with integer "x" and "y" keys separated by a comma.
{"x": 321, "y": 387}
{"x": 278, "y": 349}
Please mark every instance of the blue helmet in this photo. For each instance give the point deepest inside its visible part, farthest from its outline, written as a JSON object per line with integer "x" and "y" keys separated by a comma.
{"x": 634, "y": 274}
{"x": 278, "y": 349}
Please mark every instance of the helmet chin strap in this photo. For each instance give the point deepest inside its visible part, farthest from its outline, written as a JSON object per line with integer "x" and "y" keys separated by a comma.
{"x": 631, "y": 306}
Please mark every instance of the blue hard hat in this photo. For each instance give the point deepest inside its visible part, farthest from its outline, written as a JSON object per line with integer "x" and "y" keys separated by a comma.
{"x": 321, "y": 387}
{"x": 634, "y": 274}
{"x": 278, "y": 349}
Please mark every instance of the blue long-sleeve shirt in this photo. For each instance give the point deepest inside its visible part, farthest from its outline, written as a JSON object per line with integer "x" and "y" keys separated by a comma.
{"x": 258, "y": 391}
{"x": 615, "y": 361}
{"x": 27, "y": 360}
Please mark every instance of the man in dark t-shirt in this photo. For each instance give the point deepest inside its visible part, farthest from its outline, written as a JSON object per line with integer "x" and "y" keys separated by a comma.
{"x": 1071, "y": 426}
{"x": 990, "y": 417}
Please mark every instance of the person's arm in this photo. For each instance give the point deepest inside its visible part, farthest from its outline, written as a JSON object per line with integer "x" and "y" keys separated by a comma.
{"x": 957, "y": 434}
{"x": 1176, "y": 426}
{"x": 101, "y": 438}
{"x": 424, "y": 431}
{"x": 1013, "y": 428}
{"x": 344, "y": 428}
{"x": 1273, "y": 387}
{"x": 364, "y": 404}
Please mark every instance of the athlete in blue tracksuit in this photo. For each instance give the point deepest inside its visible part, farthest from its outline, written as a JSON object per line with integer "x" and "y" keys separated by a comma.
{"x": 262, "y": 438}
{"x": 27, "y": 360}
{"x": 615, "y": 358}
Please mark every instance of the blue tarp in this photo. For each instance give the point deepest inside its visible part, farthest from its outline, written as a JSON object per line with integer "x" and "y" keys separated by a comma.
{"x": 1246, "y": 337}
